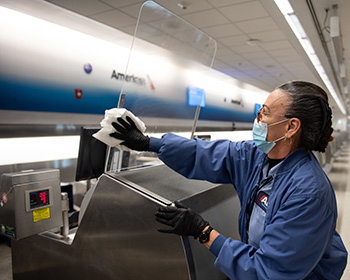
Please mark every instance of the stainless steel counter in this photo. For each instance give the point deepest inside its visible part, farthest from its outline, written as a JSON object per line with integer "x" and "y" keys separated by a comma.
{"x": 118, "y": 239}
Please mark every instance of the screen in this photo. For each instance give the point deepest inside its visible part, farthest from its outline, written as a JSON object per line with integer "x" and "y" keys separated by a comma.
{"x": 196, "y": 96}
{"x": 257, "y": 108}
{"x": 92, "y": 155}
{"x": 39, "y": 198}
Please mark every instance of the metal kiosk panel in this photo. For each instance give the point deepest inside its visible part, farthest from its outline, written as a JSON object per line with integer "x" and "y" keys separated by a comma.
{"x": 118, "y": 238}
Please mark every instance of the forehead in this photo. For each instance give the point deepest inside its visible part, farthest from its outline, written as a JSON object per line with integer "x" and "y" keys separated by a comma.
{"x": 277, "y": 101}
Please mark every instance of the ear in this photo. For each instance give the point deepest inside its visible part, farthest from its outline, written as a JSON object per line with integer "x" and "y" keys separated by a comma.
{"x": 294, "y": 127}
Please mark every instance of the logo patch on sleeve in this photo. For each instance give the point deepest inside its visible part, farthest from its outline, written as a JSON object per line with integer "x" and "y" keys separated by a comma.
{"x": 262, "y": 200}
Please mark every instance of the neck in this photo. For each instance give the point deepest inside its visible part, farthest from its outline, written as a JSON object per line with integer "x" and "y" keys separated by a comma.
{"x": 282, "y": 149}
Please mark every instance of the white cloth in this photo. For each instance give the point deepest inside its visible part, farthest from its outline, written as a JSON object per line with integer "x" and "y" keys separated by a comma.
{"x": 107, "y": 128}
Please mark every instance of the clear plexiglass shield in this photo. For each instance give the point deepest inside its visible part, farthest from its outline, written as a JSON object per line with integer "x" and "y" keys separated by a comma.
{"x": 162, "y": 84}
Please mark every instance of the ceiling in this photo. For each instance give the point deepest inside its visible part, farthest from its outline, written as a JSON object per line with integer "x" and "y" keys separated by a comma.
{"x": 276, "y": 57}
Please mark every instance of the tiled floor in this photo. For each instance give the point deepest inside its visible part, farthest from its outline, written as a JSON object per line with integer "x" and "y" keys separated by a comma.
{"x": 339, "y": 175}
{"x": 5, "y": 260}
{"x": 340, "y": 178}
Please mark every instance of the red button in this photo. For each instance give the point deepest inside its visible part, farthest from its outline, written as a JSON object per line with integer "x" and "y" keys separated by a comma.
{"x": 4, "y": 197}
{"x": 78, "y": 93}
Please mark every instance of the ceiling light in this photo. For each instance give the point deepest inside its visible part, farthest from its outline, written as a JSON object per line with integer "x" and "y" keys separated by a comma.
{"x": 284, "y": 7}
{"x": 294, "y": 23}
{"x": 253, "y": 42}
{"x": 183, "y": 4}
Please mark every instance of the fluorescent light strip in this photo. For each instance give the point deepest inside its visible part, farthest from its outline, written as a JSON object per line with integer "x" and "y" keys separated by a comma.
{"x": 294, "y": 23}
{"x": 35, "y": 149}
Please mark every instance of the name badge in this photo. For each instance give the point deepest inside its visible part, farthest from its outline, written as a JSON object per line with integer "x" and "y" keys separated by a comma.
{"x": 262, "y": 200}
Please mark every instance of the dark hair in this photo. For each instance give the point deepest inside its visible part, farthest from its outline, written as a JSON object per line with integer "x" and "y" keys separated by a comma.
{"x": 310, "y": 106}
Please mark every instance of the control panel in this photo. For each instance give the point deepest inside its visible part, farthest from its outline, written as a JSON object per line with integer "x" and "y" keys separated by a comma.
{"x": 30, "y": 202}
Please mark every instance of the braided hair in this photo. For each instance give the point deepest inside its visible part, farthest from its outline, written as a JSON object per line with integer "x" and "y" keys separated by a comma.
{"x": 310, "y": 105}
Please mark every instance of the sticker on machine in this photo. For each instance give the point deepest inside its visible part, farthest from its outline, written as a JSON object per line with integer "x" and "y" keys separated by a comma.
{"x": 8, "y": 230}
{"x": 41, "y": 214}
{"x": 4, "y": 198}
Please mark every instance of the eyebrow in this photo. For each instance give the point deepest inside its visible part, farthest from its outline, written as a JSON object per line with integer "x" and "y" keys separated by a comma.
{"x": 266, "y": 107}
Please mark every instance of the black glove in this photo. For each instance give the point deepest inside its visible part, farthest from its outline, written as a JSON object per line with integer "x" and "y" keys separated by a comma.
{"x": 184, "y": 221}
{"x": 133, "y": 138}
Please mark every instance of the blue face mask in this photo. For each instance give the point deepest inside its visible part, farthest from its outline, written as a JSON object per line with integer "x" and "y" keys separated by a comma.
{"x": 260, "y": 134}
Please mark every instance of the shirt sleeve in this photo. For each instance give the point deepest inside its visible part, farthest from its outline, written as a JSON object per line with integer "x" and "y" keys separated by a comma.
{"x": 195, "y": 158}
{"x": 220, "y": 161}
{"x": 290, "y": 248}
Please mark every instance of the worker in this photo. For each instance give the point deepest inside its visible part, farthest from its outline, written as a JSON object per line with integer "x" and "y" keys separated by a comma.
{"x": 288, "y": 216}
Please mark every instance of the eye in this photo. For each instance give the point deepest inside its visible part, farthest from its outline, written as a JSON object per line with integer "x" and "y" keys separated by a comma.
{"x": 264, "y": 111}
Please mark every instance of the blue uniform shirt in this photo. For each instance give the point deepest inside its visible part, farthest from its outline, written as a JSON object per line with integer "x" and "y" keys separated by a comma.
{"x": 260, "y": 204}
{"x": 299, "y": 240}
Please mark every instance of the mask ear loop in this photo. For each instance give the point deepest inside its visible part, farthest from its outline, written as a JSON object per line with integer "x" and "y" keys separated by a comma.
{"x": 282, "y": 121}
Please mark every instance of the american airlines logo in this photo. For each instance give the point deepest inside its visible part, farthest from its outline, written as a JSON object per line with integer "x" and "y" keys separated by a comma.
{"x": 262, "y": 200}
{"x": 128, "y": 78}
{"x": 238, "y": 102}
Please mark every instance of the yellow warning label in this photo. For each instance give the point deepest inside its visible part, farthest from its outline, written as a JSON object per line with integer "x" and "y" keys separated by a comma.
{"x": 41, "y": 214}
